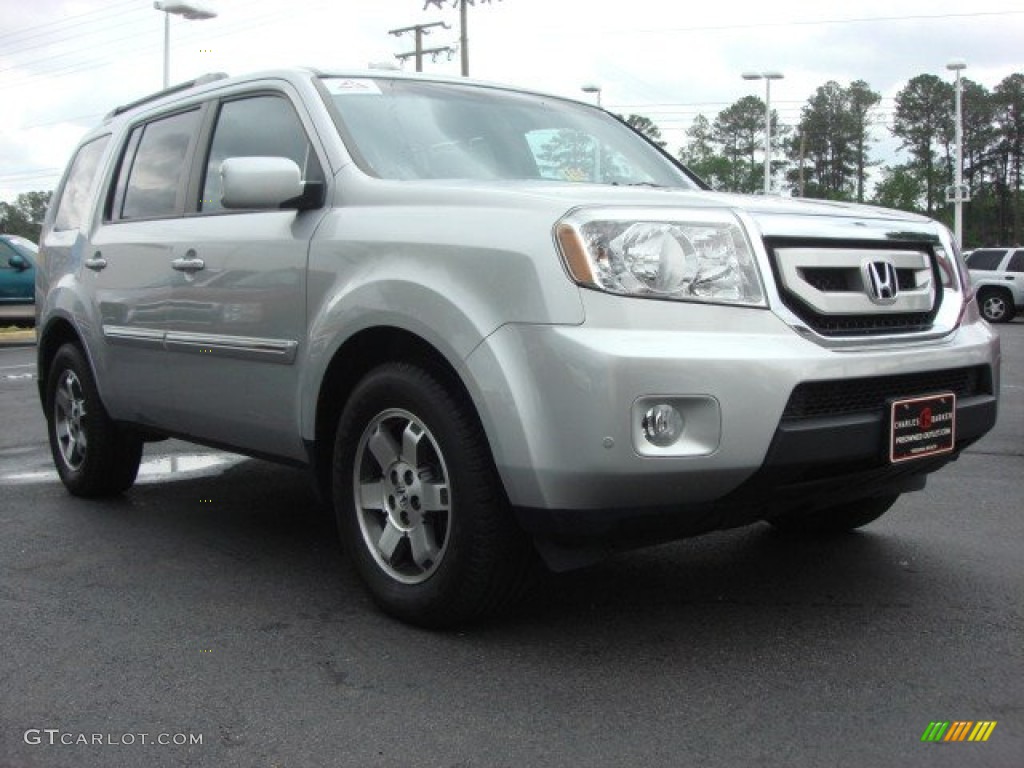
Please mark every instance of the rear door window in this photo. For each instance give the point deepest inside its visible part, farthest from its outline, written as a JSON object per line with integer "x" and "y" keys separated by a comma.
{"x": 154, "y": 171}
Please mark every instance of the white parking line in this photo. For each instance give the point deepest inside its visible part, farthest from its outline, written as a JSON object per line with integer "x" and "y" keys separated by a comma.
{"x": 155, "y": 470}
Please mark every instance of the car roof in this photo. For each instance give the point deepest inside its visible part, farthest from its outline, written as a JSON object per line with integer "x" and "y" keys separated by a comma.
{"x": 211, "y": 82}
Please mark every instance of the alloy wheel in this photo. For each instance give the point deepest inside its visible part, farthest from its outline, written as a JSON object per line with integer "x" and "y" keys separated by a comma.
{"x": 993, "y": 307}
{"x": 402, "y": 496}
{"x": 69, "y": 418}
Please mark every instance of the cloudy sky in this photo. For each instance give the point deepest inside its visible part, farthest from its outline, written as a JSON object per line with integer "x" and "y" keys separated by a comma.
{"x": 65, "y": 63}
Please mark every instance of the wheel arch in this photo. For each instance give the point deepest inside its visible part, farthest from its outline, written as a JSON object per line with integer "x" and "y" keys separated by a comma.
{"x": 1002, "y": 291}
{"x": 357, "y": 356}
{"x": 989, "y": 288}
{"x": 58, "y": 332}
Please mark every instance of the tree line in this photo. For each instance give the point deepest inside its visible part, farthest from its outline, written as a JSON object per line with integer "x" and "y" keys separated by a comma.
{"x": 24, "y": 217}
{"x": 828, "y": 153}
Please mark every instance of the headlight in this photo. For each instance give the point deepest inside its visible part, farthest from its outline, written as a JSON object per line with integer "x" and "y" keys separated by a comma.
{"x": 698, "y": 255}
{"x": 954, "y": 265}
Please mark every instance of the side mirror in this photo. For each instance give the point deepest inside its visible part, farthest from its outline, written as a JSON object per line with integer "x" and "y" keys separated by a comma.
{"x": 267, "y": 183}
{"x": 18, "y": 262}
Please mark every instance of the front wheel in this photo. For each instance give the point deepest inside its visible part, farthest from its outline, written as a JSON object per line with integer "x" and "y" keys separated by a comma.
{"x": 835, "y": 520}
{"x": 419, "y": 504}
{"x": 94, "y": 457}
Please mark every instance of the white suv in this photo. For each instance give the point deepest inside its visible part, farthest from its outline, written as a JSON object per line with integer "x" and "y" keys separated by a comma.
{"x": 493, "y": 323}
{"x": 997, "y": 275}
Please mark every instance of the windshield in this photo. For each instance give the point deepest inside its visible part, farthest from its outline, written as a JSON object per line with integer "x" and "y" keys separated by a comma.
{"x": 407, "y": 129}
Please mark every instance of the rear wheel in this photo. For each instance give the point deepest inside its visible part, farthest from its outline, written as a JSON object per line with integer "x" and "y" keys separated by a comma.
{"x": 93, "y": 456}
{"x": 996, "y": 305}
{"x": 419, "y": 504}
{"x": 838, "y": 519}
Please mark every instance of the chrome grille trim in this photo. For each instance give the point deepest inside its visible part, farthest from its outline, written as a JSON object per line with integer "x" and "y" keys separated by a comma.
{"x": 873, "y": 230}
{"x": 836, "y": 281}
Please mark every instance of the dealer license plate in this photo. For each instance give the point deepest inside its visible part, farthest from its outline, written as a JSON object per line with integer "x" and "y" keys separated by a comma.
{"x": 922, "y": 426}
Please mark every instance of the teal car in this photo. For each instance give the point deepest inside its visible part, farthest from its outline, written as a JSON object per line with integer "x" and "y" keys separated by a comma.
{"x": 17, "y": 278}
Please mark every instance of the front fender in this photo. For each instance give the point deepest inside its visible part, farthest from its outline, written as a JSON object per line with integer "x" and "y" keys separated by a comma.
{"x": 450, "y": 285}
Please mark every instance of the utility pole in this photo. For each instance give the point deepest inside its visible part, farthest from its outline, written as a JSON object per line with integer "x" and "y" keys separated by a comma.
{"x": 463, "y": 27}
{"x": 464, "y": 37}
{"x": 419, "y": 31}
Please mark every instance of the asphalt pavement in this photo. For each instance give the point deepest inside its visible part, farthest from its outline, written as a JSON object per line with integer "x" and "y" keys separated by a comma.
{"x": 208, "y": 618}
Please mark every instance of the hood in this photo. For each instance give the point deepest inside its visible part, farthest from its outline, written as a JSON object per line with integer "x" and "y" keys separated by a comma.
{"x": 773, "y": 215}
{"x": 758, "y": 205}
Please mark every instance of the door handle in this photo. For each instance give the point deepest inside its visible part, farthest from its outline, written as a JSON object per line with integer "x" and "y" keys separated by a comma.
{"x": 188, "y": 265}
{"x": 95, "y": 262}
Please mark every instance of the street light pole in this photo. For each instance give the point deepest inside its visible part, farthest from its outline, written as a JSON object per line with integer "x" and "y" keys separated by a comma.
{"x": 167, "y": 45}
{"x": 595, "y": 89}
{"x": 190, "y": 10}
{"x": 767, "y": 77}
{"x": 958, "y": 197}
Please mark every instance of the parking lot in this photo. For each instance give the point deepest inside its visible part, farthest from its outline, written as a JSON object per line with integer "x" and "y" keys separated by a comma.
{"x": 208, "y": 618}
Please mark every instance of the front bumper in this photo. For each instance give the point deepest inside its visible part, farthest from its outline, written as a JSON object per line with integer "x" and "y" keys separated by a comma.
{"x": 557, "y": 403}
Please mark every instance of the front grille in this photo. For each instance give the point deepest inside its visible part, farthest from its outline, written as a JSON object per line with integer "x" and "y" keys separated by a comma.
{"x": 815, "y": 399}
{"x": 840, "y": 280}
{"x": 824, "y": 284}
{"x": 865, "y": 325}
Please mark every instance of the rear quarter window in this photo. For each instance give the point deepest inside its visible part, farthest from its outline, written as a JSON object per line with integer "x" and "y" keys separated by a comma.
{"x": 73, "y": 205}
{"x": 985, "y": 259}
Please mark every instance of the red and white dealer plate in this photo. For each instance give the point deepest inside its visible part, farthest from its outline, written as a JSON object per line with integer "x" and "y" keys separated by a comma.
{"x": 922, "y": 426}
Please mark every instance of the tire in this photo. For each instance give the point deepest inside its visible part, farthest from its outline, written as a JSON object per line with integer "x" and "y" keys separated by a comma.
{"x": 835, "y": 520}
{"x": 419, "y": 505}
{"x": 996, "y": 305}
{"x": 93, "y": 456}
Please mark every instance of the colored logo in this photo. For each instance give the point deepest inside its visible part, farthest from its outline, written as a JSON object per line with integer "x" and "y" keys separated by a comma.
{"x": 959, "y": 730}
{"x": 924, "y": 421}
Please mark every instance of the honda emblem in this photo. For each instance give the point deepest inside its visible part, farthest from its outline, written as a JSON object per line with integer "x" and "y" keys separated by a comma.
{"x": 881, "y": 283}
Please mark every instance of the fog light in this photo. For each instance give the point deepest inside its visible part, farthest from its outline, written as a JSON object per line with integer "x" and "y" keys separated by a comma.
{"x": 662, "y": 425}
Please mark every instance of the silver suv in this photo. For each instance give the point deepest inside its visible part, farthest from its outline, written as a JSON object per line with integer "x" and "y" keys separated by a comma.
{"x": 494, "y": 324}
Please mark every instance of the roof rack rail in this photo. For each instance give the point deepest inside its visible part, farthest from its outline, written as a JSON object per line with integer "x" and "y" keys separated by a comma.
{"x": 201, "y": 80}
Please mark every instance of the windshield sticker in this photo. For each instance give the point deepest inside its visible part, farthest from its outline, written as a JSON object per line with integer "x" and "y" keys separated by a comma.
{"x": 337, "y": 86}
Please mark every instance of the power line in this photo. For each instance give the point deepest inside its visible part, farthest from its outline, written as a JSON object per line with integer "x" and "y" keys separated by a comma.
{"x": 463, "y": 27}
{"x": 813, "y": 22}
{"x": 70, "y": 51}
{"x": 186, "y": 35}
{"x": 104, "y": 12}
{"x": 74, "y": 35}
{"x": 30, "y": 176}
{"x": 78, "y": 118}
